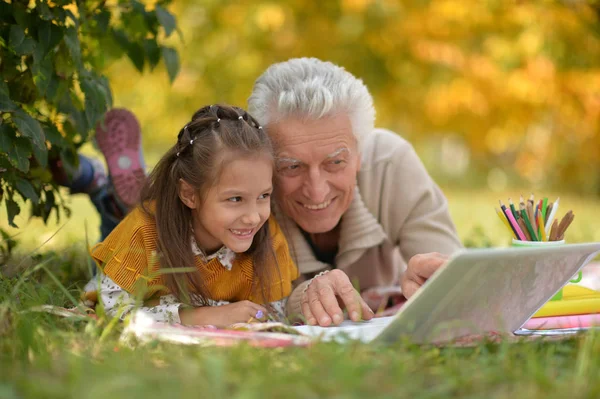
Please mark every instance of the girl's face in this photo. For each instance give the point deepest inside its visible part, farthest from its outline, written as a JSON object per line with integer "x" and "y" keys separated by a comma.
{"x": 237, "y": 206}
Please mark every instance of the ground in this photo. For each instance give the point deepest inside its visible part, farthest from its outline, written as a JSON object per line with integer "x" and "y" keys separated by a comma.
{"x": 43, "y": 356}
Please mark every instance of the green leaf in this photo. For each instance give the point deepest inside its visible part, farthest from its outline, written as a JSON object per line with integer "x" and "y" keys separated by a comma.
{"x": 102, "y": 20}
{"x": 49, "y": 35}
{"x": 17, "y": 35}
{"x": 70, "y": 160}
{"x": 53, "y": 87}
{"x": 29, "y": 127}
{"x": 12, "y": 210}
{"x": 152, "y": 23}
{"x": 19, "y": 153}
{"x": 76, "y": 122}
{"x": 42, "y": 72}
{"x": 6, "y": 104}
{"x": 96, "y": 98}
{"x": 17, "y": 149}
{"x": 41, "y": 155}
{"x": 5, "y": 164}
{"x": 27, "y": 47}
{"x": 138, "y": 7}
{"x": 134, "y": 51}
{"x": 152, "y": 52}
{"x": 42, "y": 174}
{"x": 72, "y": 41}
{"x": 22, "y": 88}
{"x": 63, "y": 63}
{"x": 59, "y": 14}
{"x": 121, "y": 39}
{"x": 44, "y": 11}
{"x": 53, "y": 135}
{"x": 19, "y": 42}
{"x": 10, "y": 63}
{"x": 136, "y": 55}
{"x": 20, "y": 13}
{"x": 166, "y": 19}
{"x": 7, "y": 133}
{"x": 171, "y": 61}
{"x": 6, "y": 13}
{"x": 50, "y": 203}
{"x": 27, "y": 190}
{"x": 104, "y": 87}
{"x": 73, "y": 17}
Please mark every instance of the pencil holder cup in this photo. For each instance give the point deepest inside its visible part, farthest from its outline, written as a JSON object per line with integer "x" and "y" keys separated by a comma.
{"x": 518, "y": 243}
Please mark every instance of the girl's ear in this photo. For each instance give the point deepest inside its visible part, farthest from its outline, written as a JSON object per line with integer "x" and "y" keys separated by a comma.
{"x": 187, "y": 194}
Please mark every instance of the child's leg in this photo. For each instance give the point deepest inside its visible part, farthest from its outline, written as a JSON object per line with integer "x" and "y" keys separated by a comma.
{"x": 119, "y": 139}
{"x": 110, "y": 209}
{"x": 89, "y": 176}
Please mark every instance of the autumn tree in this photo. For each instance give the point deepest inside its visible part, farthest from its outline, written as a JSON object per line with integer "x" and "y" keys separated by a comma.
{"x": 53, "y": 91}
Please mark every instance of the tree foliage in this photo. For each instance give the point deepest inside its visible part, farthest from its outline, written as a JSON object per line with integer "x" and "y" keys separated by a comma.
{"x": 516, "y": 83}
{"x": 52, "y": 89}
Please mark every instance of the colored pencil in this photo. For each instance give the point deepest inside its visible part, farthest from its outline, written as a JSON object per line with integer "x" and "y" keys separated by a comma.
{"x": 523, "y": 227}
{"x": 564, "y": 224}
{"x": 544, "y": 207}
{"x": 553, "y": 230}
{"x": 528, "y": 225}
{"x": 531, "y": 215}
{"x": 506, "y": 223}
{"x": 552, "y": 215}
{"x": 513, "y": 210}
{"x": 543, "y": 236}
{"x": 562, "y": 234}
{"x": 514, "y": 223}
{"x": 550, "y": 205}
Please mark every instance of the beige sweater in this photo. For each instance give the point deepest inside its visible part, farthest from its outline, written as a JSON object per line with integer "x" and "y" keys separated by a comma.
{"x": 397, "y": 212}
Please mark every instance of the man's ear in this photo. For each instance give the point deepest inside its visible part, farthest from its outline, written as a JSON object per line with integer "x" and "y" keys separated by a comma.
{"x": 187, "y": 194}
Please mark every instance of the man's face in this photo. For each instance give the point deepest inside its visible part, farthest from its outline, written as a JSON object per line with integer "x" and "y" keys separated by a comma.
{"x": 315, "y": 170}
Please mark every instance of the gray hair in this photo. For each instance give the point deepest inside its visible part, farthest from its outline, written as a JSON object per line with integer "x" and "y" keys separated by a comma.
{"x": 311, "y": 88}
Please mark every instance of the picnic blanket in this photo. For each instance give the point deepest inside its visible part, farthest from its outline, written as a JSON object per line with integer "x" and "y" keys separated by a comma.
{"x": 142, "y": 329}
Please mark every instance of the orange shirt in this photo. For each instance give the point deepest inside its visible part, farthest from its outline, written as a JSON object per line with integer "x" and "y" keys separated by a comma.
{"x": 129, "y": 257}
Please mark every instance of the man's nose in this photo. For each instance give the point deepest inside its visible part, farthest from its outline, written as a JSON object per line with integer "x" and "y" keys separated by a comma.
{"x": 315, "y": 186}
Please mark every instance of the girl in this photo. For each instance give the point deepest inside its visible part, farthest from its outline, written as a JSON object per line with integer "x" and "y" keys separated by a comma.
{"x": 202, "y": 236}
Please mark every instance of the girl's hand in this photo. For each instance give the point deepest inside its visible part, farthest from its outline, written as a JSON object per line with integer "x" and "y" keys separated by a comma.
{"x": 223, "y": 316}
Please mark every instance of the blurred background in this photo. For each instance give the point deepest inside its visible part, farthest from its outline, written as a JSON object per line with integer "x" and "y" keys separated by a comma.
{"x": 499, "y": 97}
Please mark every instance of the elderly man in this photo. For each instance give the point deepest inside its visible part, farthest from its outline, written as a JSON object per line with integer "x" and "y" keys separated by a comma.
{"x": 355, "y": 202}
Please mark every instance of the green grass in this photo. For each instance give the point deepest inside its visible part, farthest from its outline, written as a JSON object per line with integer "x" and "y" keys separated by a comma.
{"x": 42, "y": 356}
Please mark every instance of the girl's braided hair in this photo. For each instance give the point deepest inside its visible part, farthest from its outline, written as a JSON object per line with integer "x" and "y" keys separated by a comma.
{"x": 215, "y": 135}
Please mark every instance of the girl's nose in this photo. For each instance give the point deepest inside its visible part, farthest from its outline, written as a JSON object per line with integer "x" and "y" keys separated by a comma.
{"x": 251, "y": 218}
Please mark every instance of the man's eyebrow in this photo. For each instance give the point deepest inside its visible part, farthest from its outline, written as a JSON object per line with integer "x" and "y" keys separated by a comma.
{"x": 338, "y": 152}
{"x": 287, "y": 159}
{"x": 329, "y": 156}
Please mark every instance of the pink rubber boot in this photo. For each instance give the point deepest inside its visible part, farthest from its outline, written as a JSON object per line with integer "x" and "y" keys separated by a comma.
{"x": 119, "y": 139}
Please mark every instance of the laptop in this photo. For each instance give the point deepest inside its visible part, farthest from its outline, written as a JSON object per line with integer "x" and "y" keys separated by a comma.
{"x": 477, "y": 291}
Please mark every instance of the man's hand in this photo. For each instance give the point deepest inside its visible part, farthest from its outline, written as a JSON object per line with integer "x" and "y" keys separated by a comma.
{"x": 420, "y": 268}
{"x": 323, "y": 297}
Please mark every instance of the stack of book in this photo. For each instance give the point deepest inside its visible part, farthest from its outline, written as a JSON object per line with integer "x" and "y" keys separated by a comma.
{"x": 579, "y": 309}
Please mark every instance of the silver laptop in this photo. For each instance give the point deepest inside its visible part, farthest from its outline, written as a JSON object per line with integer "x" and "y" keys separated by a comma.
{"x": 477, "y": 291}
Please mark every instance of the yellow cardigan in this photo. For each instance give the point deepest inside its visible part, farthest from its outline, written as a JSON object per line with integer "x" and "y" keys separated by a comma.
{"x": 129, "y": 257}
